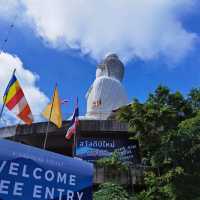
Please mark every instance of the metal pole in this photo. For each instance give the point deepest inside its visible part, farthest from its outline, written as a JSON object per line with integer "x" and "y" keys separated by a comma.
{"x": 14, "y": 138}
{"x": 2, "y": 108}
{"x": 4, "y": 100}
{"x": 74, "y": 142}
{"x": 46, "y": 133}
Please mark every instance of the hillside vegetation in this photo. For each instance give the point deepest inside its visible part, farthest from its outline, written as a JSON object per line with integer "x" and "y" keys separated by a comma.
{"x": 167, "y": 126}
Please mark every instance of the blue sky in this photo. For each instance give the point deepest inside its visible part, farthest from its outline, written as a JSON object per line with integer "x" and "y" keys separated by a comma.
{"x": 73, "y": 64}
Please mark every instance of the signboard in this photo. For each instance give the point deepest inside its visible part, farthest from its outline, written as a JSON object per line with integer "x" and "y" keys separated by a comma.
{"x": 28, "y": 173}
{"x": 92, "y": 149}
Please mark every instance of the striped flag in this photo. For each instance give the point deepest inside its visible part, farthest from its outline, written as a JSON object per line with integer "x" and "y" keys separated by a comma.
{"x": 74, "y": 123}
{"x": 16, "y": 102}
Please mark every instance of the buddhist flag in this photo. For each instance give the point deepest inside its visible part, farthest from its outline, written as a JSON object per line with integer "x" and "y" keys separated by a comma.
{"x": 16, "y": 102}
{"x": 53, "y": 111}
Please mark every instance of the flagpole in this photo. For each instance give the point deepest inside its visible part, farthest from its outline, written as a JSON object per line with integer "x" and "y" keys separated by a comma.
{"x": 74, "y": 150}
{"x": 46, "y": 133}
{"x": 4, "y": 100}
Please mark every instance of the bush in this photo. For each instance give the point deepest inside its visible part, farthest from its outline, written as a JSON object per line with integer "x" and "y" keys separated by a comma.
{"x": 111, "y": 191}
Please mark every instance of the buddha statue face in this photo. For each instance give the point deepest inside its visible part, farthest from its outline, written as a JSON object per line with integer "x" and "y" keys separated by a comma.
{"x": 111, "y": 67}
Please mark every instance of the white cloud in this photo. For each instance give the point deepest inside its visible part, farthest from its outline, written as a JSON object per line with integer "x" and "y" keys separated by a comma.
{"x": 132, "y": 28}
{"x": 8, "y": 8}
{"x": 35, "y": 97}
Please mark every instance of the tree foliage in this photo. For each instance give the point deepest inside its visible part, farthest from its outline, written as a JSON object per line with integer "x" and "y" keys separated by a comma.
{"x": 167, "y": 126}
{"x": 194, "y": 99}
{"x": 111, "y": 191}
{"x": 112, "y": 162}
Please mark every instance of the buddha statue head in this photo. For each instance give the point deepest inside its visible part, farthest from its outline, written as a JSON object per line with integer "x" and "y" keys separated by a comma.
{"x": 111, "y": 67}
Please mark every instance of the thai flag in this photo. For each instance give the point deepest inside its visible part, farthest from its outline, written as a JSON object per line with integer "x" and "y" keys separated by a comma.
{"x": 74, "y": 123}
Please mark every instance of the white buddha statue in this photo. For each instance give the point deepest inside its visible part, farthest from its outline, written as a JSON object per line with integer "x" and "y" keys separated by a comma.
{"x": 106, "y": 92}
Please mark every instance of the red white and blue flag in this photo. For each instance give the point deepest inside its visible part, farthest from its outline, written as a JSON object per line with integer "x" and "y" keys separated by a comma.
{"x": 74, "y": 123}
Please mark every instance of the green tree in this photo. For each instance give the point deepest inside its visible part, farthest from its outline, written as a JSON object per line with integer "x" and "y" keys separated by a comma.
{"x": 161, "y": 113}
{"x": 159, "y": 187}
{"x": 168, "y": 128}
{"x": 111, "y": 191}
{"x": 112, "y": 162}
{"x": 194, "y": 99}
{"x": 179, "y": 157}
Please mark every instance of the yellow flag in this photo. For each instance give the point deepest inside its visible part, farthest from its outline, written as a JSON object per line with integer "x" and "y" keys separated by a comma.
{"x": 53, "y": 112}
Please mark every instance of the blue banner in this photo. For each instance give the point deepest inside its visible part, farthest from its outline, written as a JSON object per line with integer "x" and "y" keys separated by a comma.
{"x": 28, "y": 173}
{"x": 92, "y": 149}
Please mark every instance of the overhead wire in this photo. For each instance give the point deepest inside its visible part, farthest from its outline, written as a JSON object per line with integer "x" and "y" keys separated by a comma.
{"x": 3, "y": 46}
{"x": 7, "y": 35}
